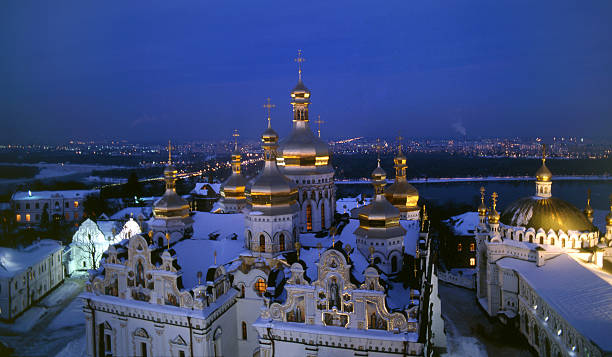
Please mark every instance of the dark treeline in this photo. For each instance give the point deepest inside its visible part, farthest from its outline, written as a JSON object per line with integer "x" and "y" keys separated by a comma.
{"x": 18, "y": 171}
{"x": 421, "y": 165}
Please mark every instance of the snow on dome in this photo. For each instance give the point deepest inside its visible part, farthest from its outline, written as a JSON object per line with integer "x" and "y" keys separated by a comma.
{"x": 130, "y": 228}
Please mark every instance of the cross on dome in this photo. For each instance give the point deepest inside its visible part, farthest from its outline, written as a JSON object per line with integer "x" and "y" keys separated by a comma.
{"x": 299, "y": 61}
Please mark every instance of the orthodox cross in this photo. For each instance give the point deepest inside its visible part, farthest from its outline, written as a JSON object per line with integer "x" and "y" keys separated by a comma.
{"x": 269, "y": 106}
{"x": 399, "y": 143}
{"x": 378, "y": 147}
{"x": 589, "y": 197}
{"x": 371, "y": 249}
{"x": 319, "y": 122}
{"x": 236, "y": 135}
{"x": 199, "y": 275}
{"x": 299, "y": 61}
{"x": 297, "y": 248}
{"x": 543, "y": 153}
{"x": 494, "y": 198}
{"x": 482, "y": 194}
{"x": 168, "y": 240}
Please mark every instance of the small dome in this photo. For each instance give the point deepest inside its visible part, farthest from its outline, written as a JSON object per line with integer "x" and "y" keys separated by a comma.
{"x": 300, "y": 94}
{"x": 171, "y": 205}
{"x": 234, "y": 186}
{"x": 493, "y": 217}
{"x": 379, "y": 174}
{"x": 269, "y": 135}
{"x": 170, "y": 170}
{"x": 546, "y": 213}
{"x": 543, "y": 173}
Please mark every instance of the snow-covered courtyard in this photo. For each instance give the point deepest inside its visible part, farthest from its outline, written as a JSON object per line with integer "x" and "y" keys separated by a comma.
{"x": 55, "y": 326}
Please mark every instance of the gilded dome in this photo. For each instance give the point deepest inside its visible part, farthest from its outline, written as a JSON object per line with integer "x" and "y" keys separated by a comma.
{"x": 171, "y": 205}
{"x": 546, "y": 213}
{"x": 543, "y": 173}
{"x": 303, "y": 152}
{"x": 234, "y": 186}
{"x": 270, "y": 188}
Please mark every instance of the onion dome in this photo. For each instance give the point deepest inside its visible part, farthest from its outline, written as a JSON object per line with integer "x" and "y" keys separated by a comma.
{"x": 401, "y": 193}
{"x": 543, "y": 174}
{"x": 170, "y": 205}
{"x": 271, "y": 192}
{"x": 379, "y": 219}
{"x": 482, "y": 209}
{"x": 234, "y": 186}
{"x": 493, "y": 214}
{"x": 588, "y": 210}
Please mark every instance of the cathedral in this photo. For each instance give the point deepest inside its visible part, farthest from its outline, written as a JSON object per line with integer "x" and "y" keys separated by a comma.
{"x": 544, "y": 268}
{"x": 282, "y": 276}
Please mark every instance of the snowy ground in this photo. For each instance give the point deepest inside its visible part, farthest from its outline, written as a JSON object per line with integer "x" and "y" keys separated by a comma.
{"x": 471, "y": 333}
{"x": 54, "y": 326}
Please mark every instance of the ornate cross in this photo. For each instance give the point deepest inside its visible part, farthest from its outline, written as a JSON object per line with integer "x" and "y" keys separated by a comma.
{"x": 269, "y": 107}
{"x": 169, "y": 153}
{"x": 399, "y": 142}
{"x": 235, "y": 135}
{"x": 168, "y": 240}
{"x": 299, "y": 61}
{"x": 494, "y": 198}
{"x": 319, "y": 122}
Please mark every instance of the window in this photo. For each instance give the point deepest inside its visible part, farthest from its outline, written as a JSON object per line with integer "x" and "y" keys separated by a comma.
{"x": 472, "y": 247}
{"x": 76, "y": 216}
{"x": 28, "y": 217}
{"x": 66, "y": 204}
{"x": 322, "y": 216}
{"x": 67, "y": 215}
{"x": 76, "y": 204}
{"x": 262, "y": 243}
{"x": 244, "y": 330}
{"x": 181, "y": 353}
{"x": 37, "y": 205}
{"x": 38, "y": 217}
{"x": 18, "y": 218}
{"x": 27, "y": 206}
{"x": 472, "y": 262}
{"x": 281, "y": 241}
{"x": 18, "y": 206}
{"x": 260, "y": 286}
{"x": 107, "y": 345}
{"x": 459, "y": 247}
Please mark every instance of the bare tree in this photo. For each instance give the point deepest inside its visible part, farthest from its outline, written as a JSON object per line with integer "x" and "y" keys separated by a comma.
{"x": 89, "y": 248}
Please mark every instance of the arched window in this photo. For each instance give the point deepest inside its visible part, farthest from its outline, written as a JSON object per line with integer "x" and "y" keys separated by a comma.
{"x": 377, "y": 260}
{"x": 262, "y": 243}
{"x": 260, "y": 286}
{"x": 249, "y": 238}
{"x": 394, "y": 263}
{"x": 244, "y": 330}
{"x": 308, "y": 217}
{"x": 281, "y": 242}
{"x": 322, "y": 216}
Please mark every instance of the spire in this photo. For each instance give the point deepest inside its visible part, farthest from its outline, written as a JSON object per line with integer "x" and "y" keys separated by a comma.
{"x": 268, "y": 106}
{"x": 169, "y": 152}
{"x": 236, "y": 158}
{"x": 400, "y": 162}
{"x": 379, "y": 176}
{"x": 299, "y": 61}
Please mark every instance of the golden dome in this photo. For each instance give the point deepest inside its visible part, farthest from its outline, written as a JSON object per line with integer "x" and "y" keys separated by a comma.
{"x": 546, "y": 213}
{"x": 170, "y": 205}
{"x": 543, "y": 173}
{"x": 303, "y": 152}
{"x": 271, "y": 188}
{"x": 379, "y": 219}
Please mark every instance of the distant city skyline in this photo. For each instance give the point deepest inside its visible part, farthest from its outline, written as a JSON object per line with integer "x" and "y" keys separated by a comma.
{"x": 146, "y": 72}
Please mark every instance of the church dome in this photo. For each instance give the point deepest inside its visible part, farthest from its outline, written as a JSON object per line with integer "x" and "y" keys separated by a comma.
{"x": 546, "y": 213}
{"x": 234, "y": 186}
{"x": 171, "y": 205}
{"x": 403, "y": 195}
{"x": 543, "y": 173}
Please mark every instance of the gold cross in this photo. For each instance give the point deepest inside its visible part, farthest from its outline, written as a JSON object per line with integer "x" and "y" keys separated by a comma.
{"x": 319, "y": 122}
{"x": 543, "y": 153}
{"x": 299, "y": 61}
{"x": 494, "y": 198}
{"x": 269, "y": 106}
{"x": 399, "y": 143}
{"x": 378, "y": 147}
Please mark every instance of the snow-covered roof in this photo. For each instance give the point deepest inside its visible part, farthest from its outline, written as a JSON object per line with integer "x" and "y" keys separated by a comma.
{"x": 145, "y": 212}
{"x": 584, "y": 303}
{"x": 38, "y": 195}
{"x": 464, "y": 224}
{"x": 201, "y": 188}
{"x": 13, "y": 261}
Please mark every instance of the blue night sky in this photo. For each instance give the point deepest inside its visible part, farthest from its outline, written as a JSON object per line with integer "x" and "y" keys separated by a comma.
{"x": 149, "y": 70}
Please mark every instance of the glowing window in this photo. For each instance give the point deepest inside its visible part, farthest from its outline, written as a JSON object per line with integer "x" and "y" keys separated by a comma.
{"x": 260, "y": 286}
{"x": 459, "y": 247}
{"x": 472, "y": 262}
{"x": 76, "y": 204}
{"x": 28, "y": 217}
{"x": 18, "y": 218}
{"x": 472, "y": 247}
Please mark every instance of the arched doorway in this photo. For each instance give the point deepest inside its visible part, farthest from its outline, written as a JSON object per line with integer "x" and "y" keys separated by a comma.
{"x": 394, "y": 263}
{"x": 309, "y": 217}
{"x": 262, "y": 243}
